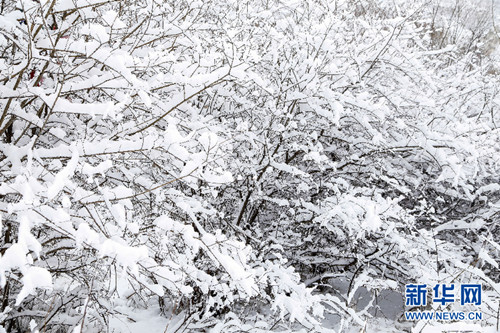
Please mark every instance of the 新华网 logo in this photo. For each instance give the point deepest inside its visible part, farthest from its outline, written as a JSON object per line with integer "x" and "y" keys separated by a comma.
{"x": 416, "y": 295}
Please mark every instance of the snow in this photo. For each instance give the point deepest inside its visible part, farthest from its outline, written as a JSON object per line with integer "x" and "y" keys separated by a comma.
{"x": 372, "y": 220}
{"x": 62, "y": 178}
{"x": 126, "y": 256}
{"x": 274, "y": 166}
{"x": 149, "y": 320}
{"x": 85, "y": 234}
{"x": 34, "y": 277}
{"x": 14, "y": 257}
{"x": 241, "y": 276}
{"x": 26, "y": 239}
{"x": 100, "y": 168}
{"x": 208, "y": 140}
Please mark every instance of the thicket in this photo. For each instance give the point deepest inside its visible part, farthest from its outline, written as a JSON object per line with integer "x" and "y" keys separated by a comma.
{"x": 243, "y": 165}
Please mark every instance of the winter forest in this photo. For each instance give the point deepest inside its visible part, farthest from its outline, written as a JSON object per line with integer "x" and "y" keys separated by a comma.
{"x": 247, "y": 165}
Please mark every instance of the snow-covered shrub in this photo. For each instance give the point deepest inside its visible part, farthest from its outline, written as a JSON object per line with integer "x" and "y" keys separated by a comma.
{"x": 240, "y": 165}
